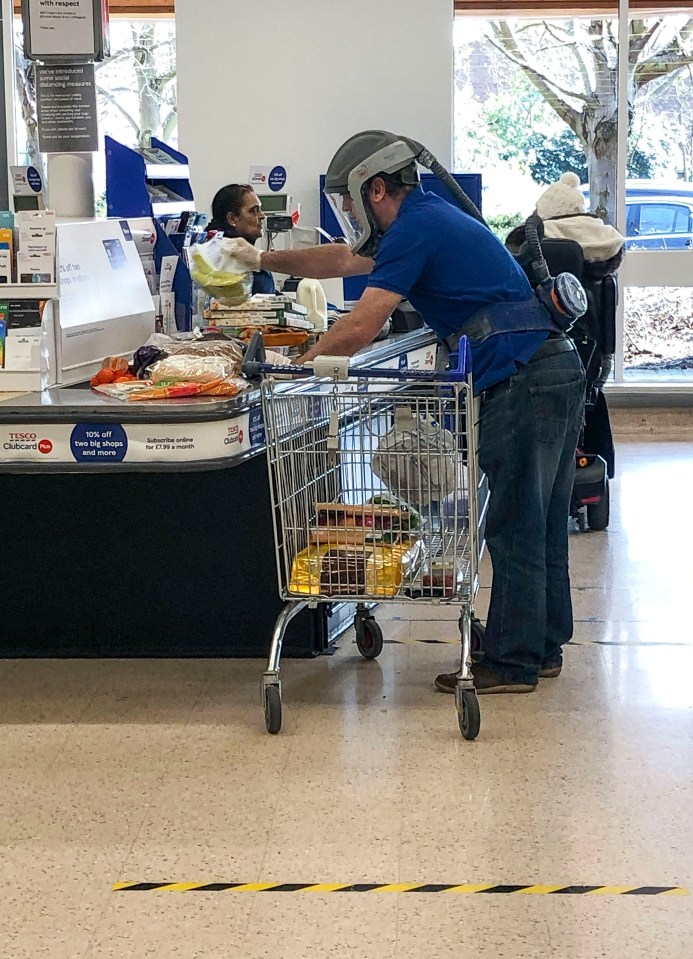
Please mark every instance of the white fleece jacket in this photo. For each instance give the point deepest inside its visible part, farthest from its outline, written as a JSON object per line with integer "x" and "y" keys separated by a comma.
{"x": 598, "y": 240}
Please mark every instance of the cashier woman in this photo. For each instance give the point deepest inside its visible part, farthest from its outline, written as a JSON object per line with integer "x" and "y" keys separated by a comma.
{"x": 236, "y": 212}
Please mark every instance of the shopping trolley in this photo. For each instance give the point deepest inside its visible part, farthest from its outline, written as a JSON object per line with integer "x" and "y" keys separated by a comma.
{"x": 376, "y": 498}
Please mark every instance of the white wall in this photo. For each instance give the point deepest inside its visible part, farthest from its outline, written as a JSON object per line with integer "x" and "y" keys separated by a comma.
{"x": 287, "y": 81}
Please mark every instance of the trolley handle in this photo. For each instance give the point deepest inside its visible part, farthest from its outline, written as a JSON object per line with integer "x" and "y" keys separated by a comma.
{"x": 255, "y": 367}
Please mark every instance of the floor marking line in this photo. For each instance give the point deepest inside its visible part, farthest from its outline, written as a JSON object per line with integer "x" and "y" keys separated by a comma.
{"x": 539, "y": 890}
{"x": 455, "y": 641}
{"x": 612, "y": 891}
{"x": 468, "y": 888}
{"x": 525, "y": 889}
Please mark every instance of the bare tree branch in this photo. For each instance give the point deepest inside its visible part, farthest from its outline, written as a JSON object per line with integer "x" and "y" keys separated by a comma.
{"x": 659, "y": 66}
{"x": 549, "y": 89}
{"x": 113, "y": 100}
{"x": 641, "y": 40}
{"x": 578, "y": 53}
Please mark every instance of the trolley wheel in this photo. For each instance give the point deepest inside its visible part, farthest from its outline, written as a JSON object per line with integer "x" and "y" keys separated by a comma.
{"x": 273, "y": 709}
{"x": 468, "y": 713}
{"x": 582, "y": 520}
{"x": 598, "y": 513}
{"x": 369, "y": 637}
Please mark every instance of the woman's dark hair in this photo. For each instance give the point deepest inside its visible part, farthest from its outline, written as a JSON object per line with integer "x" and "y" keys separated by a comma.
{"x": 228, "y": 200}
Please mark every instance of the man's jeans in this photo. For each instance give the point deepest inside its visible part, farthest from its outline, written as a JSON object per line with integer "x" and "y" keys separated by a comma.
{"x": 529, "y": 430}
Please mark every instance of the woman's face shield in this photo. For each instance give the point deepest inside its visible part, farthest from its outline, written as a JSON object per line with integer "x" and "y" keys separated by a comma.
{"x": 350, "y": 219}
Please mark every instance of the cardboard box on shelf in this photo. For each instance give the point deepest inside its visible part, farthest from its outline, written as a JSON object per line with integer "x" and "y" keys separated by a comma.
{"x": 36, "y": 231}
{"x": 6, "y": 246}
{"x": 25, "y": 314}
{"x": 168, "y": 309}
{"x": 149, "y": 267}
{"x": 168, "y": 273}
{"x": 36, "y": 268}
{"x": 5, "y": 264}
{"x": 23, "y": 350}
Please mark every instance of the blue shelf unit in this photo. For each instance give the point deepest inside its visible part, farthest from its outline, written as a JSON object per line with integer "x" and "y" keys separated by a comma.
{"x": 127, "y": 177}
{"x": 470, "y": 183}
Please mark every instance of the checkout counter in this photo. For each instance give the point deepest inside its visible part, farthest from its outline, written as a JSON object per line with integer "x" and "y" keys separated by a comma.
{"x": 146, "y": 529}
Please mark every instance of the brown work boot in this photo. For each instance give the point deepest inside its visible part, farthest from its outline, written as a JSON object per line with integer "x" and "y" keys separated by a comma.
{"x": 485, "y": 682}
{"x": 551, "y": 670}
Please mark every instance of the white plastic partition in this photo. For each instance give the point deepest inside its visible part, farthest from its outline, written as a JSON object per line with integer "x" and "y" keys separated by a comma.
{"x": 105, "y": 302}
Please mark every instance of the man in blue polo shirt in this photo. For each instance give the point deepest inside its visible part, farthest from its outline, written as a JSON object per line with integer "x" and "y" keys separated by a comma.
{"x": 462, "y": 280}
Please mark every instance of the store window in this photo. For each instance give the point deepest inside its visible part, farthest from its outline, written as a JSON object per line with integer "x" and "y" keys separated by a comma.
{"x": 658, "y": 319}
{"x": 535, "y": 98}
{"x": 136, "y": 91}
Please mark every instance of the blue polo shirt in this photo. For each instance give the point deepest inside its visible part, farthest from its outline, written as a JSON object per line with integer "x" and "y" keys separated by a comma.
{"x": 448, "y": 265}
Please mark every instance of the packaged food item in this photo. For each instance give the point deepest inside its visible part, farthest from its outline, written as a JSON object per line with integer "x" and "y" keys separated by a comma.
{"x": 118, "y": 363}
{"x": 231, "y": 349}
{"x": 215, "y": 270}
{"x": 172, "y": 391}
{"x": 231, "y": 386}
{"x": 103, "y": 377}
{"x": 443, "y": 580}
{"x": 123, "y": 389}
{"x": 114, "y": 370}
{"x": 374, "y": 516}
{"x": 187, "y": 368}
{"x": 372, "y": 570}
{"x": 275, "y": 336}
{"x": 331, "y": 536}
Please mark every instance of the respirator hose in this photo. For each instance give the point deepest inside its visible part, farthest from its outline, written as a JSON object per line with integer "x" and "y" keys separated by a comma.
{"x": 538, "y": 262}
{"x": 427, "y": 160}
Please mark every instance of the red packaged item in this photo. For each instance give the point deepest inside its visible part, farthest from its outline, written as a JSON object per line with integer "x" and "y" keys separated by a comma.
{"x": 102, "y": 377}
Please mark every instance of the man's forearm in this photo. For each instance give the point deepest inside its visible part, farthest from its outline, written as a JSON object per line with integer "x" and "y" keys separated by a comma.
{"x": 318, "y": 262}
{"x": 344, "y": 339}
{"x": 358, "y": 328}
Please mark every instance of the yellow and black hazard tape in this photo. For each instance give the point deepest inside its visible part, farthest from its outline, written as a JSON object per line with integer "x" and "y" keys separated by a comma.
{"x": 455, "y": 641}
{"x": 402, "y": 887}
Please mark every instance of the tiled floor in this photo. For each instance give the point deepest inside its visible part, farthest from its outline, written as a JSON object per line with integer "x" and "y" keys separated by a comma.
{"x": 161, "y": 771}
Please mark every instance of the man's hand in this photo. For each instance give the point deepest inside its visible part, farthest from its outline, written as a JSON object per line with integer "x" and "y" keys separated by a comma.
{"x": 244, "y": 252}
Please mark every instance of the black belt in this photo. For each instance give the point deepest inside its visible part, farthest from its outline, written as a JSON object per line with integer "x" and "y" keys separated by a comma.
{"x": 555, "y": 343}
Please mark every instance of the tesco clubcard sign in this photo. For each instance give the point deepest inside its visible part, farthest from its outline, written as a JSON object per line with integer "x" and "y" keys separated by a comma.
{"x": 271, "y": 178}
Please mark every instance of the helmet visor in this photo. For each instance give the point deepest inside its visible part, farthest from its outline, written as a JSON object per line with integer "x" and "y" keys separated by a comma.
{"x": 345, "y": 211}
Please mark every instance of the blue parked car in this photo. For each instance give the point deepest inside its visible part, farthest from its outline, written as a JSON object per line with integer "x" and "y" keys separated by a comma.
{"x": 659, "y": 215}
{"x": 659, "y": 223}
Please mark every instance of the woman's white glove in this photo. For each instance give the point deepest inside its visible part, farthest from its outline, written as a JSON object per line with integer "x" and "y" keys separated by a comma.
{"x": 243, "y": 252}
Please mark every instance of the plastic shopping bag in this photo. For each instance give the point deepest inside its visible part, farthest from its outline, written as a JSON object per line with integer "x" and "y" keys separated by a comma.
{"x": 418, "y": 460}
{"x": 218, "y": 273}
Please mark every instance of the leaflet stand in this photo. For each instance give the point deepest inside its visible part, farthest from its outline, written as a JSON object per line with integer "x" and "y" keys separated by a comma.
{"x": 130, "y": 180}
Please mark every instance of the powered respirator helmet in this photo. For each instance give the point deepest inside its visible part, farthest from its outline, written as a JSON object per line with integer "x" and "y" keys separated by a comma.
{"x": 349, "y": 174}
